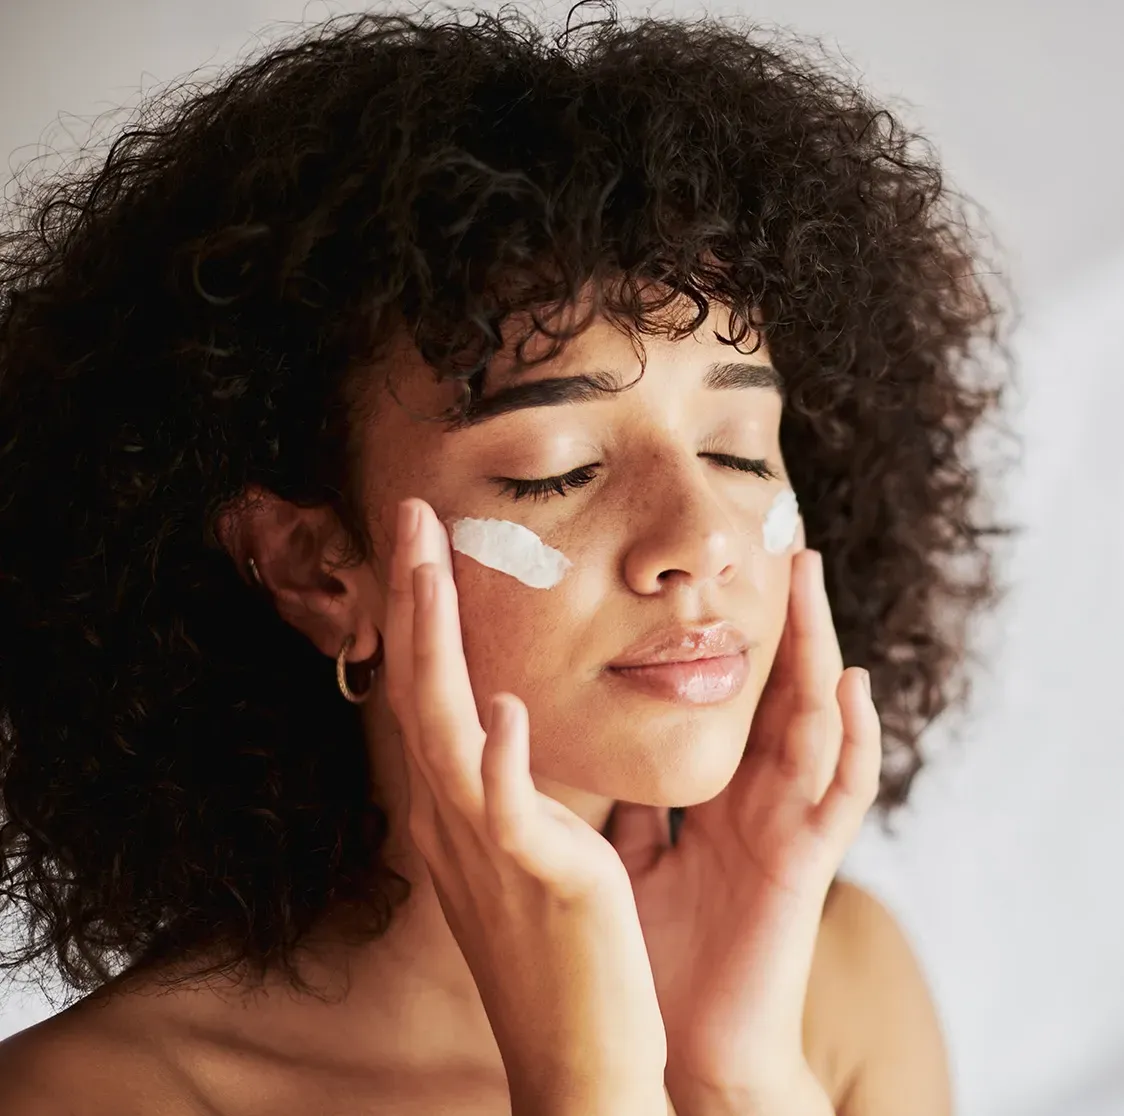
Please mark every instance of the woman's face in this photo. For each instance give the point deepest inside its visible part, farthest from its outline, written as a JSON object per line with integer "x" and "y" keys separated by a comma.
{"x": 661, "y": 535}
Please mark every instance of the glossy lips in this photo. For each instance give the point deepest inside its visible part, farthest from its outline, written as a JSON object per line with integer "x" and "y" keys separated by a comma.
{"x": 681, "y": 643}
{"x": 696, "y": 665}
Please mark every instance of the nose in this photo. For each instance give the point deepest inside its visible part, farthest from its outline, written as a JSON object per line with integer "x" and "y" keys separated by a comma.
{"x": 686, "y": 538}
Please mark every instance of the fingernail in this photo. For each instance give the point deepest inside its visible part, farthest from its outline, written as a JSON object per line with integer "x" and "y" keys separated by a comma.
{"x": 866, "y": 682}
{"x": 408, "y": 520}
{"x": 498, "y": 716}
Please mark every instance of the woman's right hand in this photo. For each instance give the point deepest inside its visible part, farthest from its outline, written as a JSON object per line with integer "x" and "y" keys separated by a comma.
{"x": 538, "y": 900}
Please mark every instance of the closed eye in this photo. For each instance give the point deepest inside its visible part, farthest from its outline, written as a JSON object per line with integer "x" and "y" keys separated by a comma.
{"x": 545, "y": 487}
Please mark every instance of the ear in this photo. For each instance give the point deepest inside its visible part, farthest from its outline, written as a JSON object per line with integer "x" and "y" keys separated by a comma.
{"x": 295, "y": 551}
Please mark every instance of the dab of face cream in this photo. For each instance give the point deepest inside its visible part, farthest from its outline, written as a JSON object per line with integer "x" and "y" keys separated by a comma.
{"x": 510, "y": 548}
{"x": 778, "y": 532}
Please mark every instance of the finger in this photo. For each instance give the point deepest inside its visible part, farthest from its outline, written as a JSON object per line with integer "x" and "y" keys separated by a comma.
{"x": 817, "y": 661}
{"x": 398, "y": 641}
{"x": 450, "y": 736}
{"x": 810, "y": 744}
{"x": 505, "y": 770}
{"x": 781, "y": 671}
{"x": 771, "y": 717}
{"x": 411, "y": 546}
{"x": 801, "y": 619}
{"x": 854, "y": 786}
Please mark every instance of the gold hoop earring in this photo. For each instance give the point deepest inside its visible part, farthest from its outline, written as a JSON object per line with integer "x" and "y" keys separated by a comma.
{"x": 255, "y": 573}
{"x": 341, "y": 673}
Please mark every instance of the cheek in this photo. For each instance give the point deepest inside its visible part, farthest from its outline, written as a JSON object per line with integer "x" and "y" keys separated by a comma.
{"x": 781, "y": 523}
{"x": 511, "y": 602}
{"x": 510, "y": 632}
{"x": 537, "y": 642}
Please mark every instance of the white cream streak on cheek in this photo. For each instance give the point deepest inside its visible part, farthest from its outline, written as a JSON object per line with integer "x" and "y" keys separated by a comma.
{"x": 510, "y": 548}
{"x": 779, "y": 529}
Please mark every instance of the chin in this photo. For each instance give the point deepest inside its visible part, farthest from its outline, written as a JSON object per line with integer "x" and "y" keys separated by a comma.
{"x": 669, "y": 772}
{"x": 689, "y": 783}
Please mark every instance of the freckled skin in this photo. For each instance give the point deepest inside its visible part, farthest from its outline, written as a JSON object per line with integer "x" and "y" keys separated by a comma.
{"x": 663, "y": 535}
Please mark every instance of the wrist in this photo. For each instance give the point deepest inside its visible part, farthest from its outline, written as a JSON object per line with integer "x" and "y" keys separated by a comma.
{"x": 799, "y": 1094}
{"x": 618, "y": 1087}
{"x": 645, "y": 1098}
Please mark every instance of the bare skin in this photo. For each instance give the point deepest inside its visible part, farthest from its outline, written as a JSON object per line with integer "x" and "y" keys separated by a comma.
{"x": 666, "y": 535}
{"x": 133, "y": 1049}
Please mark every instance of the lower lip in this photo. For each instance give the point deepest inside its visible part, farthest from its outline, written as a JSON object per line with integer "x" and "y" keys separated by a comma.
{"x": 702, "y": 682}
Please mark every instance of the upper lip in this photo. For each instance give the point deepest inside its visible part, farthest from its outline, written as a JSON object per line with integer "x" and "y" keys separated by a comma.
{"x": 684, "y": 644}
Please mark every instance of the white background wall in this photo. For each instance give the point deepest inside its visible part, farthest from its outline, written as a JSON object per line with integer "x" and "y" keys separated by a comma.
{"x": 1006, "y": 866}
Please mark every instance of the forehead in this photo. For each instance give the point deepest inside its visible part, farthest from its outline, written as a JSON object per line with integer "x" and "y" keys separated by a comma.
{"x": 409, "y": 398}
{"x": 404, "y": 435}
{"x": 602, "y": 344}
{"x": 606, "y": 342}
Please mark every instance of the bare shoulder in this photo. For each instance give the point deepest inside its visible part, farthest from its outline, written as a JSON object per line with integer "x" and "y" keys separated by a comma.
{"x": 859, "y": 928}
{"x": 27, "y": 1084}
{"x": 84, "y": 1062}
{"x": 871, "y": 1017}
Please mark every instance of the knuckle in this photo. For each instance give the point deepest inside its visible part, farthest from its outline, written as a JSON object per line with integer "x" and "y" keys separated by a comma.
{"x": 863, "y": 788}
{"x": 434, "y": 724}
{"x": 400, "y": 591}
{"x": 789, "y": 763}
{"x": 808, "y": 702}
{"x": 440, "y": 758}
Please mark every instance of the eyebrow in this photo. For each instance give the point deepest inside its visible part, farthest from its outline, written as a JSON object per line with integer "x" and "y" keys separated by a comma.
{"x": 599, "y": 383}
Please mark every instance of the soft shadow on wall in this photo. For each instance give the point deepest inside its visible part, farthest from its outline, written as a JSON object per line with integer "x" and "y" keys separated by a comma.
{"x": 1006, "y": 870}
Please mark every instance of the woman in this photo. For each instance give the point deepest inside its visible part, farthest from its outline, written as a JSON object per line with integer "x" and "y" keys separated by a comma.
{"x": 557, "y": 327}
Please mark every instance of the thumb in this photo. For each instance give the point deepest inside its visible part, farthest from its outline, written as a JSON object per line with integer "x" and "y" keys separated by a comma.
{"x": 639, "y": 834}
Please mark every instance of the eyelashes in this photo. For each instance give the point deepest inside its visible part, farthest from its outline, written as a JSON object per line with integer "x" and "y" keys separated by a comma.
{"x": 546, "y": 487}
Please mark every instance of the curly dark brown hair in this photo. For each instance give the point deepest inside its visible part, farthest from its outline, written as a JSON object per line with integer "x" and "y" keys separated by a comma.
{"x": 199, "y": 311}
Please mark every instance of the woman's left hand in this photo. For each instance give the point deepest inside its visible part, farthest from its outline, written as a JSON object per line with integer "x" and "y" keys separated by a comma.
{"x": 731, "y": 913}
